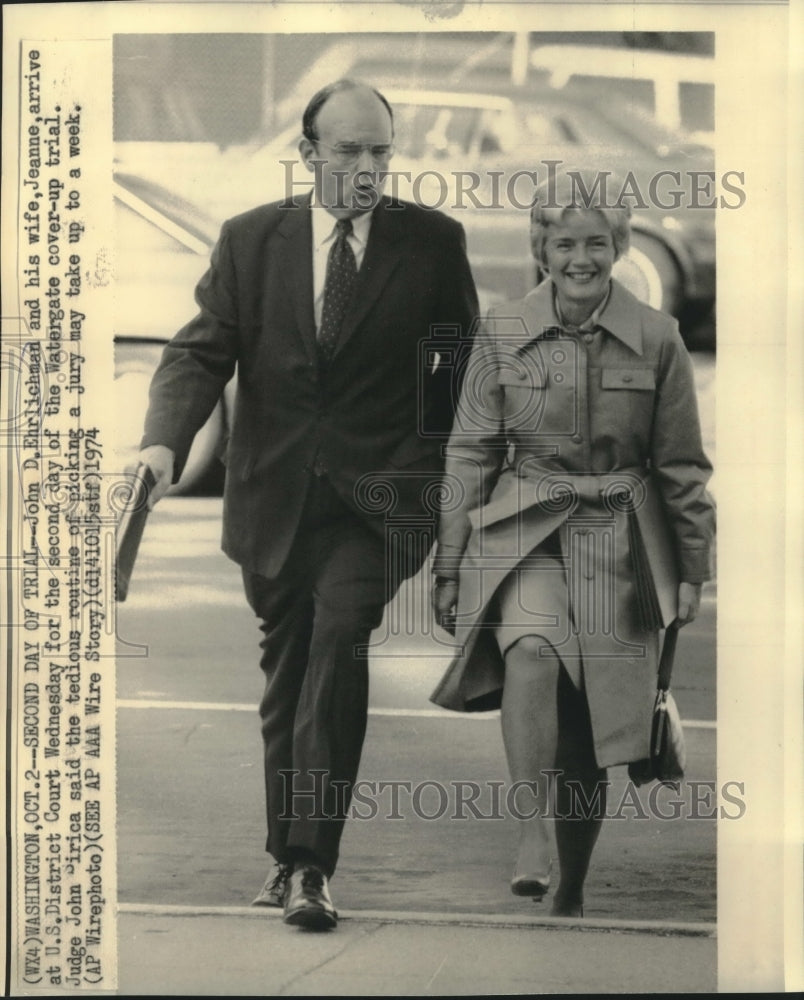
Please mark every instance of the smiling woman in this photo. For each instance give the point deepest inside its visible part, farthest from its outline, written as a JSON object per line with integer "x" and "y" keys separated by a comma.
{"x": 577, "y": 437}
{"x": 579, "y": 256}
{"x": 578, "y": 249}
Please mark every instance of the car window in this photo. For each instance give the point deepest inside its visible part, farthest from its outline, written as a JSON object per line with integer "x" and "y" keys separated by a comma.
{"x": 631, "y": 89}
{"x": 503, "y": 131}
{"x": 641, "y": 131}
{"x": 424, "y": 131}
{"x": 545, "y": 128}
{"x": 572, "y": 124}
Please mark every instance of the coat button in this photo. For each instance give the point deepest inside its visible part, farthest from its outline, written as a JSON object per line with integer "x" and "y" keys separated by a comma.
{"x": 588, "y": 337}
{"x": 628, "y": 378}
{"x": 577, "y": 438}
{"x": 558, "y": 377}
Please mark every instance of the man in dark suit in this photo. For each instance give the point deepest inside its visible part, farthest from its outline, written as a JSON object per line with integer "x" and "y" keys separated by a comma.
{"x": 331, "y": 310}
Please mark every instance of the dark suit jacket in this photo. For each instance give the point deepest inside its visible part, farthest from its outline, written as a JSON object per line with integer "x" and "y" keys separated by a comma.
{"x": 377, "y": 413}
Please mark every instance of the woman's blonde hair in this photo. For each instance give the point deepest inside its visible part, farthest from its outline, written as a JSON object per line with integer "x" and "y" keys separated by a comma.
{"x": 577, "y": 190}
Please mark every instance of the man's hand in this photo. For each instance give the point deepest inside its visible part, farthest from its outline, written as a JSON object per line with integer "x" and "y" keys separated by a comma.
{"x": 445, "y": 601}
{"x": 689, "y": 602}
{"x": 160, "y": 460}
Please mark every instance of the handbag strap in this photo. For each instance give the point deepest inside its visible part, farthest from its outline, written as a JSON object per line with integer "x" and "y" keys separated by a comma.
{"x": 668, "y": 654}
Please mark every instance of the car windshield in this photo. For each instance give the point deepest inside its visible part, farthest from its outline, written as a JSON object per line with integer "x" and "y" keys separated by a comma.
{"x": 642, "y": 129}
{"x": 431, "y": 130}
{"x": 424, "y": 130}
{"x": 427, "y": 130}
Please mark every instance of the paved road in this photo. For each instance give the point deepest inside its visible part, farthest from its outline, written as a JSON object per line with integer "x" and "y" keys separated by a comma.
{"x": 190, "y": 786}
{"x": 250, "y": 953}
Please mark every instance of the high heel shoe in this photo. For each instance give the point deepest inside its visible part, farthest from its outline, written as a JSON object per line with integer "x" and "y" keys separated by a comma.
{"x": 535, "y": 886}
{"x": 529, "y": 884}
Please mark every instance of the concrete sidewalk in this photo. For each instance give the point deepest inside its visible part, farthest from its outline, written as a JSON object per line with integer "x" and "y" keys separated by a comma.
{"x": 250, "y": 952}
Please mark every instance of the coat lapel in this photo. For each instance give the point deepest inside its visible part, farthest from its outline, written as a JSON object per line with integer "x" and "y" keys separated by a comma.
{"x": 296, "y": 265}
{"x": 622, "y": 316}
{"x": 383, "y": 252}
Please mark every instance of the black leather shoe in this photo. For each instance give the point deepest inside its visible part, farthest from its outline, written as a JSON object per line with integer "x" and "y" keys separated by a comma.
{"x": 273, "y": 892}
{"x": 307, "y": 902}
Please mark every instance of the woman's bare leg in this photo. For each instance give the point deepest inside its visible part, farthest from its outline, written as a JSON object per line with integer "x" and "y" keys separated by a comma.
{"x": 580, "y": 799}
{"x": 546, "y": 728}
{"x": 577, "y": 829}
{"x": 530, "y": 735}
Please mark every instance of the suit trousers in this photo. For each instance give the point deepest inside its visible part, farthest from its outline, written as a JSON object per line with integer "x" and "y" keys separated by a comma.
{"x": 316, "y": 614}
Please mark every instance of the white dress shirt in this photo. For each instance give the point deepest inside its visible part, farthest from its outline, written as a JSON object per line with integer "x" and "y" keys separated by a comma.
{"x": 323, "y": 238}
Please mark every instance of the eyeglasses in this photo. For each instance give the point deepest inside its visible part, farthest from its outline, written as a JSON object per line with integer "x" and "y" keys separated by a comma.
{"x": 349, "y": 153}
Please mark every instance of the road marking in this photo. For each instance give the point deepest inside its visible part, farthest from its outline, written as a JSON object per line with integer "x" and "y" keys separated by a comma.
{"x": 414, "y": 713}
{"x": 434, "y": 976}
{"x": 685, "y": 929}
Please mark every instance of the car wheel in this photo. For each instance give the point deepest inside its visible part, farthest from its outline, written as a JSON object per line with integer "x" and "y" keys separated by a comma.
{"x": 651, "y": 273}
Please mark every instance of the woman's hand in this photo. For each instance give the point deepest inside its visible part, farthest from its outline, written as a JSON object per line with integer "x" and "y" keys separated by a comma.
{"x": 445, "y": 601}
{"x": 689, "y": 602}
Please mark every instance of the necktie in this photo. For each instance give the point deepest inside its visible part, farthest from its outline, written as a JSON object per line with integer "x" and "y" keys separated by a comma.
{"x": 338, "y": 286}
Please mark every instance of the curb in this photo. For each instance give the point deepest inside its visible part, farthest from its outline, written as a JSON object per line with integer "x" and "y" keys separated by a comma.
{"x": 656, "y": 927}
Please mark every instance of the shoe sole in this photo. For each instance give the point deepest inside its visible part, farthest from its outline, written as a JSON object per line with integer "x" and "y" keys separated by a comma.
{"x": 312, "y": 920}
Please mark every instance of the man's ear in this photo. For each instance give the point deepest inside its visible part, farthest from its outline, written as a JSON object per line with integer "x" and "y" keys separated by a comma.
{"x": 308, "y": 153}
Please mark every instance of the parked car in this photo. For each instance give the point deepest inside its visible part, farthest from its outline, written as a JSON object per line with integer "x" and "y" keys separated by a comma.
{"x": 163, "y": 244}
{"x": 678, "y": 88}
{"x": 164, "y": 237}
{"x": 443, "y": 135}
{"x": 634, "y": 105}
{"x": 672, "y": 260}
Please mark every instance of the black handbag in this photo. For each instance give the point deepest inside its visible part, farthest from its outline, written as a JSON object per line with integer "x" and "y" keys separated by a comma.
{"x": 668, "y": 755}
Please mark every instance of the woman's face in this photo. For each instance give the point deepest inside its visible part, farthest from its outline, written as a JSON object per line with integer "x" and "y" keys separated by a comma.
{"x": 579, "y": 255}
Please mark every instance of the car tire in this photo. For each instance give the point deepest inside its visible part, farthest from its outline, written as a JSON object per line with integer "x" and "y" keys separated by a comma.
{"x": 651, "y": 273}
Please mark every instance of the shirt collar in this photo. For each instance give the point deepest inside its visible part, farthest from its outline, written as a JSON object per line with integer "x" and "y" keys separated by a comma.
{"x": 591, "y": 322}
{"x": 324, "y": 226}
{"x": 620, "y": 314}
